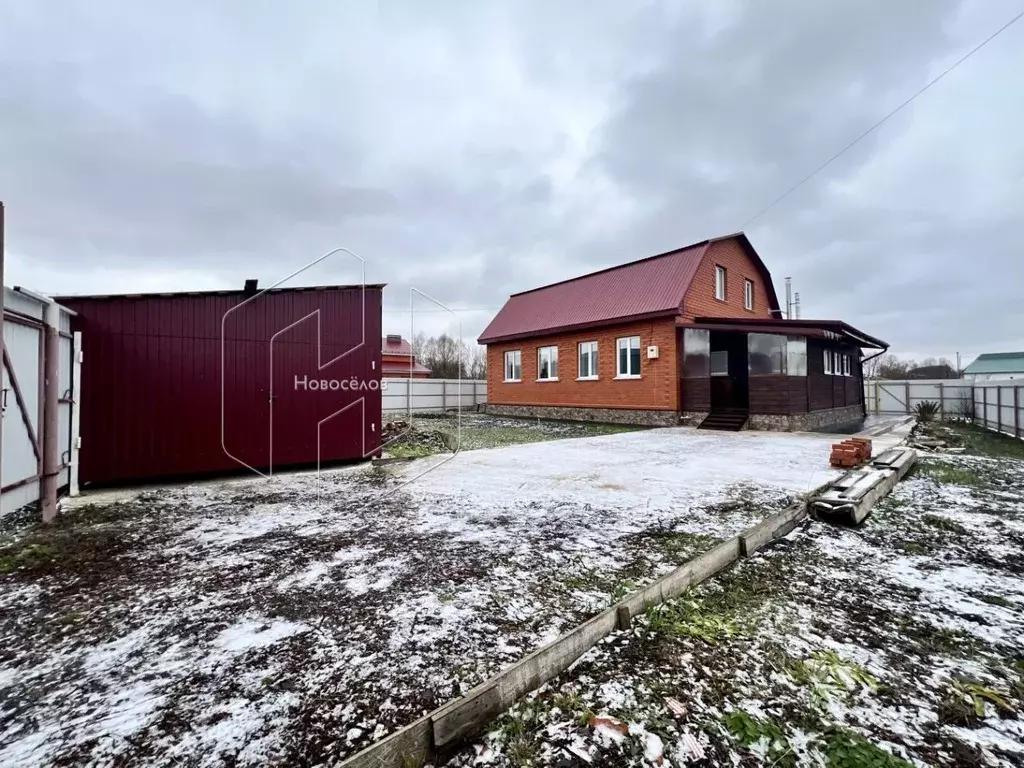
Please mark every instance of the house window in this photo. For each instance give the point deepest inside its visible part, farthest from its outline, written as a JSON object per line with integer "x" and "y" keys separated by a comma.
{"x": 846, "y": 365}
{"x": 828, "y": 362}
{"x": 720, "y": 363}
{"x": 547, "y": 364}
{"x": 628, "y": 363}
{"x": 588, "y": 360}
{"x": 720, "y": 283}
{"x": 766, "y": 354}
{"x": 796, "y": 356}
{"x": 748, "y": 294}
{"x": 513, "y": 365}
{"x": 696, "y": 353}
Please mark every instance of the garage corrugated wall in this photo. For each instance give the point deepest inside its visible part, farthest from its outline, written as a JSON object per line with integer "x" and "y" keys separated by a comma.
{"x": 151, "y": 401}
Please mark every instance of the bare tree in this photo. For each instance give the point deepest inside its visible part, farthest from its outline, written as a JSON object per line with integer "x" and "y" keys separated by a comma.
{"x": 476, "y": 362}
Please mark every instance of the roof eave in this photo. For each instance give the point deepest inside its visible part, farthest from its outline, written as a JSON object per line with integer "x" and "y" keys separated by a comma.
{"x": 578, "y": 327}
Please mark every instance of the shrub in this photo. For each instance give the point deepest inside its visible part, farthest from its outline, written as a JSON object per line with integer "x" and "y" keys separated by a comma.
{"x": 926, "y": 410}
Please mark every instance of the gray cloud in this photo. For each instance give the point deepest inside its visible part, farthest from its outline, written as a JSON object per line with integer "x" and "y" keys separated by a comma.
{"x": 474, "y": 150}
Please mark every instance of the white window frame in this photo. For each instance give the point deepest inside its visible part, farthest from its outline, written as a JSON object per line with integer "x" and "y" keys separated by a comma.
{"x": 591, "y": 349}
{"x": 516, "y": 356}
{"x": 748, "y": 294}
{"x": 627, "y": 343}
{"x": 721, "y": 282}
{"x": 828, "y": 362}
{"x": 552, "y": 352}
{"x": 846, "y": 365}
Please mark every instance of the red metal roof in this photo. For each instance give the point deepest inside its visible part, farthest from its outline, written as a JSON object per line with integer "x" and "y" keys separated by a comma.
{"x": 403, "y": 369}
{"x": 650, "y": 287}
{"x": 401, "y": 347}
{"x": 645, "y": 288}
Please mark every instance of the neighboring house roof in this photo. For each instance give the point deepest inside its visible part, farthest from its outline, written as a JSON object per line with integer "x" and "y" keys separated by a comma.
{"x": 834, "y": 329}
{"x": 933, "y": 372}
{"x": 395, "y": 345}
{"x": 997, "y": 362}
{"x": 650, "y": 287}
{"x": 403, "y": 369}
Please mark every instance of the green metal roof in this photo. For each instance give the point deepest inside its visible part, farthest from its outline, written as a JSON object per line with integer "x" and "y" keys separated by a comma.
{"x": 997, "y": 362}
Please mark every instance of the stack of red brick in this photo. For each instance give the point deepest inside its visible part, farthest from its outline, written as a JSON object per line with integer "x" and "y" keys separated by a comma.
{"x": 850, "y": 453}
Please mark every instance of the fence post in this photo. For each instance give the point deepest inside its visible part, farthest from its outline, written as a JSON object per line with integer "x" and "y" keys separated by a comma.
{"x": 444, "y": 395}
{"x": 877, "y": 406}
{"x": 984, "y": 407}
{"x": 942, "y": 401}
{"x": 906, "y": 388}
{"x": 408, "y": 395}
{"x": 1016, "y": 411}
{"x": 999, "y": 408}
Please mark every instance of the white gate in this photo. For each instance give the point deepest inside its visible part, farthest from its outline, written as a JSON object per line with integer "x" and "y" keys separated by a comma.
{"x": 23, "y": 395}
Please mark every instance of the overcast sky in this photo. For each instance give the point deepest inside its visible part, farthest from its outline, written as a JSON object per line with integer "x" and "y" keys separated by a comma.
{"x": 475, "y": 149}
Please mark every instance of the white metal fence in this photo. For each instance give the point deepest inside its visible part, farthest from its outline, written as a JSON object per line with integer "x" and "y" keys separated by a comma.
{"x": 426, "y": 395}
{"x": 22, "y": 396}
{"x": 995, "y": 405}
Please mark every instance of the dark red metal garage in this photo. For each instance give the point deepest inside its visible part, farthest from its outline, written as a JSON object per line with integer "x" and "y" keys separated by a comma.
{"x": 300, "y": 376}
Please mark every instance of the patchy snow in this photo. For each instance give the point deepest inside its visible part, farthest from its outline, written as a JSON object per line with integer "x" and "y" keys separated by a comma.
{"x": 295, "y": 621}
{"x": 891, "y": 637}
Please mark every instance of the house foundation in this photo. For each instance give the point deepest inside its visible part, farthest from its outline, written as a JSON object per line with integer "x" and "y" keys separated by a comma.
{"x": 638, "y": 417}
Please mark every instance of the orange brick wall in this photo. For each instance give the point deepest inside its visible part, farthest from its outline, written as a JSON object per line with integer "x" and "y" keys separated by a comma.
{"x": 657, "y": 389}
{"x": 700, "y": 300}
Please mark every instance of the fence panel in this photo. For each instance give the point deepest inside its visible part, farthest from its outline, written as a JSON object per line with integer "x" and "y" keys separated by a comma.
{"x": 995, "y": 405}
{"x": 432, "y": 395}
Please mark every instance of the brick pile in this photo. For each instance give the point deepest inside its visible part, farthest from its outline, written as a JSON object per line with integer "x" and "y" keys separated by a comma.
{"x": 850, "y": 453}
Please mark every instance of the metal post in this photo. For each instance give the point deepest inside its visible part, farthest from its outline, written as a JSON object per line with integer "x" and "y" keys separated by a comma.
{"x": 51, "y": 395}
{"x": 76, "y": 412}
{"x": 984, "y": 407}
{"x": 906, "y": 386}
{"x": 999, "y": 408}
{"x": 1016, "y": 411}
{"x": 942, "y": 402}
{"x": 877, "y": 406}
{"x": 1, "y": 334}
{"x": 444, "y": 395}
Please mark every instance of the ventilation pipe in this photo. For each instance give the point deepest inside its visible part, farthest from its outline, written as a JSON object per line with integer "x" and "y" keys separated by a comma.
{"x": 796, "y": 304}
{"x": 789, "y": 298}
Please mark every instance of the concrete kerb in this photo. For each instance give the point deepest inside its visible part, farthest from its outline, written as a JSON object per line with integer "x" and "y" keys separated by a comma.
{"x": 468, "y": 715}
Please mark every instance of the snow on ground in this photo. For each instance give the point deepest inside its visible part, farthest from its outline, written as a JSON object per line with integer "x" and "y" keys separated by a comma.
{"x": 899, "y": 642}
{"x": 243, "y": 622}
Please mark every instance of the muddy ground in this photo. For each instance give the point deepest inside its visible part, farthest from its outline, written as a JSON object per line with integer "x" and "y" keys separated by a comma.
{"x": 292, "y": 623}
{"x": 900, "y": 642}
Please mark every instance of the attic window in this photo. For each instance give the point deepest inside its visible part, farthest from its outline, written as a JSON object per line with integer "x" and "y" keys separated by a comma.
{"x": 720, "y": 276}
{"x": 748, "y": 294}
{"x": 394, "y": 338}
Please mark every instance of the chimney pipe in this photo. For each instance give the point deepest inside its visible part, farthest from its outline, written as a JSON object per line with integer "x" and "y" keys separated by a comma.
{"x": 796, "y": 304}
{"x": 789, "y": 298}
{"x": 250, "y": 287}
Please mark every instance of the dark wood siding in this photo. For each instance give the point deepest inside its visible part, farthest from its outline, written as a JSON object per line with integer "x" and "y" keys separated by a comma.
{"x": 696, "y": 394}
{"x": 828, "y": 390}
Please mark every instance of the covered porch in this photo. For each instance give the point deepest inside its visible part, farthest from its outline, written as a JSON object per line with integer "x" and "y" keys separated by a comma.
{"x": 771, "y": 374}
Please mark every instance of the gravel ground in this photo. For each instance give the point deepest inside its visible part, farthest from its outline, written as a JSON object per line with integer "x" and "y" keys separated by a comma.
{"x": 290, "y": 622}
{"x": 899, "y": 642}
{"x": 427, "y": 434}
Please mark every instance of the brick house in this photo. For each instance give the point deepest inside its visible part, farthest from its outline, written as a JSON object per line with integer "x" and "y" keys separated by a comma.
{"x": 397, "y": 359}
{"x": 693, "y": 336}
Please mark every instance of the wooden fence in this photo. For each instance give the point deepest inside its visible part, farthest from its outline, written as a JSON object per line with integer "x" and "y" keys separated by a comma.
{"x": 995, "y": 405}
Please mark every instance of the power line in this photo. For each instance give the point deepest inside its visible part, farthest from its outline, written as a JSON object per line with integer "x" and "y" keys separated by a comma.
{"x": 874, "y": 127}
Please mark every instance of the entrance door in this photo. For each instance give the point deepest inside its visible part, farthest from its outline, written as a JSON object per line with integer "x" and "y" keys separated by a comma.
{"x": 729, "y": 376}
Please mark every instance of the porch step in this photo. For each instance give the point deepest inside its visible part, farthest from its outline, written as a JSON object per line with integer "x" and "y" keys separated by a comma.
{"x": 731, "y": 421}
